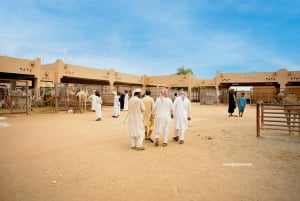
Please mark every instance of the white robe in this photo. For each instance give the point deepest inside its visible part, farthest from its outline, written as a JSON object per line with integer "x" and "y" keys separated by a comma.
{"x": 93, "y": 101}
{"x": 163, "y": 109}
{"x": 116, "y": 108}
{"x": 98, "y": 107}
{"x": 182, "y": 110}
{"x": 126, "y": 102}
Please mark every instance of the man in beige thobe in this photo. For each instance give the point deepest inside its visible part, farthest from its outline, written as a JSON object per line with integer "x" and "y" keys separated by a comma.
{"x": 148, "y": 115}
{"x": 136, "y": 129}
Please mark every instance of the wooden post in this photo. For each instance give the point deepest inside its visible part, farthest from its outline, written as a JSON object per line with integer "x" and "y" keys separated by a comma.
{"x": 299, "y": 125}
{"x": 56, "y": 97}
{"x": 261, "y": 108}
{"x": 257, "y": 120}
{"x": 85, "y": 97}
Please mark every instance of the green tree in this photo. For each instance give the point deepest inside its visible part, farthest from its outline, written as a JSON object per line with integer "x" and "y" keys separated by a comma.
{"x": 181, "y": 70}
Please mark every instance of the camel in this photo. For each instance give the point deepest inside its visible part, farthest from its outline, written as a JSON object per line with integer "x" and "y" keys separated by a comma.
{"x": 20, "y": 99}
{"x": 81, "y": 97}
{"x": 69, "y": 94}
{"x": 71, "y": 91}
{"x": 292, "y": 113}
{"x": 280, "y": 97}
{"x": 48, "y": 96}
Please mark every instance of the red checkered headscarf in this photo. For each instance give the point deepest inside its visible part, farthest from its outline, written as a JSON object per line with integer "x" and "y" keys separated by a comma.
{"x": 164, "y": 93}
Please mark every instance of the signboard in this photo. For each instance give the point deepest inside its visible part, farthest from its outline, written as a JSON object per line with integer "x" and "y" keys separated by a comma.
{"x": 47, "y": 84}
{"x": 23, "y": 83}
{"x": 248, "y": 75}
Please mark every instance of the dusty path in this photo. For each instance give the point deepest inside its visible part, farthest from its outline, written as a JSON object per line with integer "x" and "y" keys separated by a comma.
{"x": 70, "y": 157}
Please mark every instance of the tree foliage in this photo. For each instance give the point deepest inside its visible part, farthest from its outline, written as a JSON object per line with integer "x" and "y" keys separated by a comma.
{"x": 181, "y": 70}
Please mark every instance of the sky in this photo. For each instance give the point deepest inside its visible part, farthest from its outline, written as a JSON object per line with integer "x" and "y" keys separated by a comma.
{"x": 155, "y": 37}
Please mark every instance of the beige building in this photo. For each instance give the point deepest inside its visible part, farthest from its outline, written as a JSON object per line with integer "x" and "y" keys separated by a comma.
{"x": 203, "y": 90}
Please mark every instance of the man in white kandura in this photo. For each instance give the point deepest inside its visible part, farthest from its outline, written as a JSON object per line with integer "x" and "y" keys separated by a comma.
{"x": 182, "y": 114}
{"x": 126, "y": 101}
{"x": 163, "y": 111}
{"x": 93, "y": 101}
{"x": 116, "y": 108}
{"x": 98, "y": 106}
{"x": 135, "y": 122}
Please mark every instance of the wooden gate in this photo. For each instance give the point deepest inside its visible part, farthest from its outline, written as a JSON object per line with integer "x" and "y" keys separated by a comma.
{"x": 285, "y": 117}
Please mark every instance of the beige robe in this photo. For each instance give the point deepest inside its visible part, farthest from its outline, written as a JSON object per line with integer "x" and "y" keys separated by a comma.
{"x": 135, "y": 122}
{"x": 149, "y": 104}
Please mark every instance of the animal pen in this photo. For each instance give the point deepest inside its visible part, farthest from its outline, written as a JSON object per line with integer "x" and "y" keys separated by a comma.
{"x": 15, "y": 96}
{"x": 284, "y": 117}
{"x": 65, "y": 96}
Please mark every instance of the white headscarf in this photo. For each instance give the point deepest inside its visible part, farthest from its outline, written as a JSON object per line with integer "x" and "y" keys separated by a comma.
{"x": 182, "y": 94}
{"x": 136, "y": 90}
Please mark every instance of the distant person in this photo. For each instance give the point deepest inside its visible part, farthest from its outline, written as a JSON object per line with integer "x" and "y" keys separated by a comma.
{"x": 182, "y": 114}
{"x": 98, "y": 106}
{"x": 126, "y": 98}
{"x": 93, "y": 100}
{"x": 175, "y": 96}
{"x": 231, "y": 103}
{"x": 122, "y": 99}
{"x": 163, "y": 112}
{"x": 116, "y": 108}
{"x": 148, "y": 115}
{"x": 242, "y": 101}
{"x": 135, "y": 120}
{"x": 8, "y": 102}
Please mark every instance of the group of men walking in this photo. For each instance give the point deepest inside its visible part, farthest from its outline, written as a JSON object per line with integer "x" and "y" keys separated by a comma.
{"x": 146, "y": 116}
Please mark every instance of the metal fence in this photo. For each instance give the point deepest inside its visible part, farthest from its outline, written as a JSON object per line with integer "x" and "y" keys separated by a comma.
{"x": 285, "y": 117}
{"x": 64, "y": 96}
{"x": 15, "y": 96}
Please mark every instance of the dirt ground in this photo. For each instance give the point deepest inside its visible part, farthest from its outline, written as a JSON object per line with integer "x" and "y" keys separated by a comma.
{"x": 72, "y": 157}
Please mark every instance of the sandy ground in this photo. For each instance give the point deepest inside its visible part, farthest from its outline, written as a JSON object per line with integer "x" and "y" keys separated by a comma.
{"x": 70, "y": 157}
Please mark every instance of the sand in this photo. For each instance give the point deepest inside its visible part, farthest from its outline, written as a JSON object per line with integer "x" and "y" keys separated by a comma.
{"x": 70, "y": 157}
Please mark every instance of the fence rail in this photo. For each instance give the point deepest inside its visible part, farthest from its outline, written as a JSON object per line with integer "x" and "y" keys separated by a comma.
{"x": 284, "y": 117}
